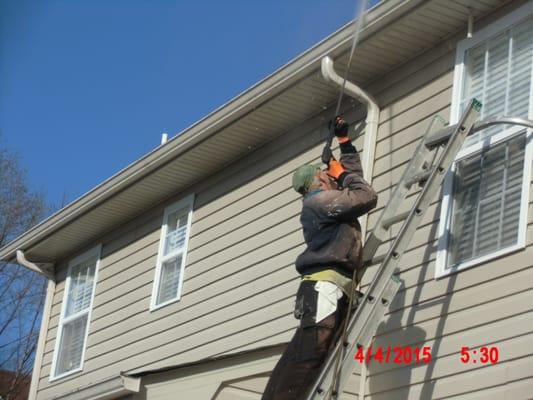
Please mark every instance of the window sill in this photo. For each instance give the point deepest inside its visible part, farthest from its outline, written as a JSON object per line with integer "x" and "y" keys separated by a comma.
{"x": 480, "y": 260}
{"x": 64, "y": 374}
{"x": 154, "y": 307}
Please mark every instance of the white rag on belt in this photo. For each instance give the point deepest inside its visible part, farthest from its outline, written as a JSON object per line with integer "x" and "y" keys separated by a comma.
{"x": 328, "y": 295}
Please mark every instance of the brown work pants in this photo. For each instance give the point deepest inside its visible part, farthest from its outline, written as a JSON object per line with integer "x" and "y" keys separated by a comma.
{"x": 301, "y": 362}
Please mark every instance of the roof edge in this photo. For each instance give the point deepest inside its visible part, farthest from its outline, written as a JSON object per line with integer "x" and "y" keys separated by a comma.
{"x": 299, "y": 67}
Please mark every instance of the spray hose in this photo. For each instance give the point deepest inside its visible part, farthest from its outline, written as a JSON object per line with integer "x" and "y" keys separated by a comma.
{"x": 327, "y": 155}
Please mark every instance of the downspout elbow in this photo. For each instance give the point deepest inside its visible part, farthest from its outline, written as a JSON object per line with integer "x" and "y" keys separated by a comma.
{"x": 371, "y": 121}
{"x": 44, "y": 269}
{"x": 372, "y": 115}
{"x": 330, "y": 75}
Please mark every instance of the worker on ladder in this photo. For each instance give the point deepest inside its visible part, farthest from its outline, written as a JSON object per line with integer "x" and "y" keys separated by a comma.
{"x": 332, "y": 202}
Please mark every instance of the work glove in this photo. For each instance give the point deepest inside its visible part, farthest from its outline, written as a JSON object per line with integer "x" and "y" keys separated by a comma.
{"x": 340, "y": 127}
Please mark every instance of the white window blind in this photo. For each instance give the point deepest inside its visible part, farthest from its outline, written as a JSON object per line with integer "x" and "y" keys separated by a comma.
{"x": 498, "y": 72}
{"x": 488, "y": 187}
{"x": 72, "y": 333}
{"x": 172, "y": 252}
{"x": 487, "y": 191}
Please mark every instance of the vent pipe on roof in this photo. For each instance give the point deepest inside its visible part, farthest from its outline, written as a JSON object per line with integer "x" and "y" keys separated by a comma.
{"x": 164, "y": 138}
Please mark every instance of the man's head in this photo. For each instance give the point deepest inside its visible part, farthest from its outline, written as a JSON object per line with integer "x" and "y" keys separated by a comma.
{"x": 310, "y": 177}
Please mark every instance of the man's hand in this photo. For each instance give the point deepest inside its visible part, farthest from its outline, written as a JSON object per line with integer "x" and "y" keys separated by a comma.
{"x": 340, "y": 127}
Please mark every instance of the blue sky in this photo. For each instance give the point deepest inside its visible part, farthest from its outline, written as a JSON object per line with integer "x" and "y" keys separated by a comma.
{"x": 87, "y": 87}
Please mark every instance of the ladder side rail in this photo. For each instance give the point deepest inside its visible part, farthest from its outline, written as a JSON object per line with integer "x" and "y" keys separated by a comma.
{"x": 384, "y": 274}
{"x": 415, "y": 166}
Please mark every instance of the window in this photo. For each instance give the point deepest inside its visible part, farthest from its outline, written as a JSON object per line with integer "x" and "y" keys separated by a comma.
{"x": 172, "y": 252}
{"x": 484, "y": 209}
{"x": 75, "y": 314}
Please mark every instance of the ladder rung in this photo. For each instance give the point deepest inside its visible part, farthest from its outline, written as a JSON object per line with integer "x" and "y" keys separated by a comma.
{"x": 419, "y": 178}
{"x": 440, "y": 137}
{"x": 395, "y": 219}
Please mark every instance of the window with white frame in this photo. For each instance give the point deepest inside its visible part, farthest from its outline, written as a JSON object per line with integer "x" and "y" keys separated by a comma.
{"x": 75, "y": 314}
{"x": 484, "y": 210}
{"x": 172, "y": 252}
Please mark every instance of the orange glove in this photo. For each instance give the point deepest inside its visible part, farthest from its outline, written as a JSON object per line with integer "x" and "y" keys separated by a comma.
{"x": 335, "y": 169}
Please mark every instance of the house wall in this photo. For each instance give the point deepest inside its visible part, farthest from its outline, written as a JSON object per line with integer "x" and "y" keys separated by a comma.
{"x": 240, "y": 280}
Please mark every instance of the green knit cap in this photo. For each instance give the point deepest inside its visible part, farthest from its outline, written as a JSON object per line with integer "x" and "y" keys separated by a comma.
{"x": 303, "y": 177}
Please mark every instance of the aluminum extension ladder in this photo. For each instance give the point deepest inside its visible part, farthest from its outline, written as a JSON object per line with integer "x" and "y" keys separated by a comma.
{"x": 374, "y": 304}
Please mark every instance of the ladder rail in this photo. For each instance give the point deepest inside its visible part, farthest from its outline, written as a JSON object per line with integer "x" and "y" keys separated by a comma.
{"x": 418, "y": 162}
{"x": 382, "y": 288}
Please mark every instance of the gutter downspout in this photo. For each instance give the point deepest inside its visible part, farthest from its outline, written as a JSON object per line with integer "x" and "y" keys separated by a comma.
{"x": 369, "y": 146}
{"x": 372, "y": 118}
{"x": 45, "y": 269}
{"x": 50, "y": 290}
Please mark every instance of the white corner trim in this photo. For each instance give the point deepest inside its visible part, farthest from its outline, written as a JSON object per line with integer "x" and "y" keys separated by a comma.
{"x": 95, "y": 251}
{"x": 186, "y": 202}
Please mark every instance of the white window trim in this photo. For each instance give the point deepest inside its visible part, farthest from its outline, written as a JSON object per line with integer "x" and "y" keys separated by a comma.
{"x": 186, "y": 202}
{"x": 95, "y": 251}
{"x": 491, "y": 30}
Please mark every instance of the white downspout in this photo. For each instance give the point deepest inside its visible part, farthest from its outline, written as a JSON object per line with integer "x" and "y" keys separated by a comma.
{"x": 50, "y": 290}
{"x": 372, "y": 120}
{"x": 372, "y": 115}
{"x": 369, "y": 147}
{"x": 44, "y": 269}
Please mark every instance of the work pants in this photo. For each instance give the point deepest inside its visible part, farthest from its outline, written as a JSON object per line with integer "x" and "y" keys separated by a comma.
{"x": 301, "y": 362}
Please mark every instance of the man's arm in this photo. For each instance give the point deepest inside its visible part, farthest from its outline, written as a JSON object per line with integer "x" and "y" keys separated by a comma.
{"x": 357, "y": 196}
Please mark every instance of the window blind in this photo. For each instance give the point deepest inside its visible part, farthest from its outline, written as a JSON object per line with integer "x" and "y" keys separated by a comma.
{"x": 487, "y": 191}
{"x": 498, "y": 72}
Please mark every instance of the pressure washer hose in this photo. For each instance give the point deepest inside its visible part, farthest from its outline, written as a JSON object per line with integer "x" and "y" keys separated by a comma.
{"x": 359, "y": 23}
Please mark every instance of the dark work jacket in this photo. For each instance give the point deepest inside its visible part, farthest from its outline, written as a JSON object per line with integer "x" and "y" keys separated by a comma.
{"x": 329, "y": 220}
